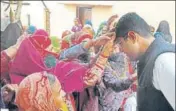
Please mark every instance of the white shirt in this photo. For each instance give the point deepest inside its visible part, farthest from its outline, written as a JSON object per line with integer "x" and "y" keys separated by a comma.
{"x": 4, "y": 110}
{"x": 164, "y": 76}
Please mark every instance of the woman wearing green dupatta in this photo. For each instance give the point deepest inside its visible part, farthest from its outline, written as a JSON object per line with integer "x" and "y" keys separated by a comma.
{"x": 99, "y": 31}
{"x": 55, "y": 42}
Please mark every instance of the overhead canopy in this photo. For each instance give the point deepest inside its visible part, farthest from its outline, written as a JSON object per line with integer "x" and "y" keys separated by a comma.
{"x": 102, "y": 3}
{"x": 15, "y": 3}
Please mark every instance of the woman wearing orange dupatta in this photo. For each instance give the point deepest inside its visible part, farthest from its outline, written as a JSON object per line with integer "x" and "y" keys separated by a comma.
{"x": 41, "y": 92}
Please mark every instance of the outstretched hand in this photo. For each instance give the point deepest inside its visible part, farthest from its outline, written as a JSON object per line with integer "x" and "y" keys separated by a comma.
{"x": 11, "y": 51}
{"x": 8, "y": 91}
{"x": 91, "y": 79}
{"x": 102, "y": 40}
{"x": 112, "y": 19}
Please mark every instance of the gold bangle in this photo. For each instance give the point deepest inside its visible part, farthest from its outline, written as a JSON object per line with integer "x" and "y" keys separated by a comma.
{"x": 101, "y": 60}
{"x": 96, "y": 71}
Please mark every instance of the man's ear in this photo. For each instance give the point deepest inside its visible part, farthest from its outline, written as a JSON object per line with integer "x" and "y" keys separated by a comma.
{"x": 132, "y": 36}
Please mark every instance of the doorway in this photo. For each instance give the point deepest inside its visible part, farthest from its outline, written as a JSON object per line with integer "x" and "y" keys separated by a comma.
{"x": 84, "y": 13}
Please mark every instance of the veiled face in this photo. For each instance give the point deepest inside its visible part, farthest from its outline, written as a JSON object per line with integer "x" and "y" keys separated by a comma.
{"x": 40, "y": 92}
{"x": 88, "y": 29}
{"x": 65, "y": 33}
{"x": 104, "y": 30}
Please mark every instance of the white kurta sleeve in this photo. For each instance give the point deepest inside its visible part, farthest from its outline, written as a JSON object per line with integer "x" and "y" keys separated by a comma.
{"x": 164, "y": 76}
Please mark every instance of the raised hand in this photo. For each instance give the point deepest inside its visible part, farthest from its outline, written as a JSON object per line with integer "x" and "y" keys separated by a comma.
{"x": 102, "y": 40}
{"x": 108, "y": 48}
{"x": 94, "y": 75}
{"x": 111, "y": 20}
{"x": 91, "y": 79}
{"x": 8, "y": 92}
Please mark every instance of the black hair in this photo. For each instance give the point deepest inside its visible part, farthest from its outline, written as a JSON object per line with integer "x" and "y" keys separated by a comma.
{"x": 165, "y": 29}
{"x": 132, "y": 22}
{"x": 84, "y": 58}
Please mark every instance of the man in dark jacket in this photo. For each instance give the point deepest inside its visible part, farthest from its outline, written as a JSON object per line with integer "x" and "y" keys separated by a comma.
{"x": 156, "y": 66}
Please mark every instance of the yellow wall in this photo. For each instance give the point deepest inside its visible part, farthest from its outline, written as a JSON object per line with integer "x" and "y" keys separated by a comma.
{"x": 100, "y": 14}
{"x": 63, "y": 15}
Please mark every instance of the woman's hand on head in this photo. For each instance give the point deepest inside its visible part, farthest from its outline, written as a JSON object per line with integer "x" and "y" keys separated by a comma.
{"x": 102, "y": 40}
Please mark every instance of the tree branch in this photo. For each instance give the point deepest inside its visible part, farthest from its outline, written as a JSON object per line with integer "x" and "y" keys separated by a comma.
{"x": 7, "y": 8}
{"x": 44, "y": 4}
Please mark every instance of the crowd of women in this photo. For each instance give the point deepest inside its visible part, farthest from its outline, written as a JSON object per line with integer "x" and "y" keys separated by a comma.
{"x": 83, "y": 71}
